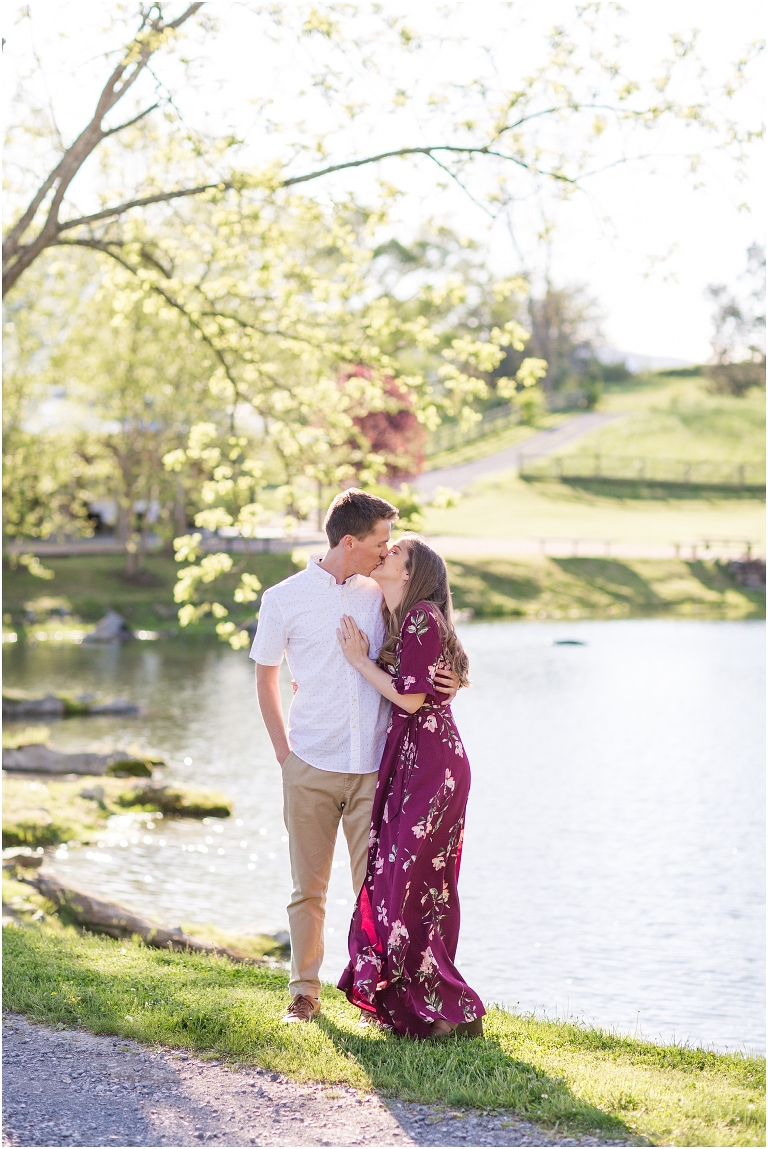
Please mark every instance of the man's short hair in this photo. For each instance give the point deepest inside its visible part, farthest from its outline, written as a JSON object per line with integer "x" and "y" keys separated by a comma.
{"x": 355, "y": 512}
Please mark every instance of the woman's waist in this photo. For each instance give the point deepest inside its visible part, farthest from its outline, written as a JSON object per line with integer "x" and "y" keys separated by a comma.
{"x": 427, "y": 710}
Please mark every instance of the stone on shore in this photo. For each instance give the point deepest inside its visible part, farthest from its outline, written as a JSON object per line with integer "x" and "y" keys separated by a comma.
{"x": 115, "y": 706}
{"x": 17, "y": 704}
{"x": 111, "y": 628}
{"x": 91, "y": 912}
{"x": 40, "y": 759}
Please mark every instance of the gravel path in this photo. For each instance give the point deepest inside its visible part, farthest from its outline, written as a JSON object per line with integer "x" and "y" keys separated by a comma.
{"x": 65, "y": 1087}
{"x": 544, "y": 443}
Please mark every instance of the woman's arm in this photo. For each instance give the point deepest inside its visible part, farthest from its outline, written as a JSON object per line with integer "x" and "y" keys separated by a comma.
{"x": 354, "y": 643}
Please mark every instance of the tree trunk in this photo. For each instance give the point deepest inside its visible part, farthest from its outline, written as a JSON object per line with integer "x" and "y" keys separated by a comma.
{"x": 320, "y": 509}
{"x": 180, "y": 510}
{"x": 94, "y": 913}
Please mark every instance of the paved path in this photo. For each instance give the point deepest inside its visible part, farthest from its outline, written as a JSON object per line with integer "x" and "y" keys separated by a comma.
{"x": 544, "y": 443}
{"x": 72, "y": 1088}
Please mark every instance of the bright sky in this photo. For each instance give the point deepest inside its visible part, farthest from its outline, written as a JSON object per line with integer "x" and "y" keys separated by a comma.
{"x": 643, "y": 238}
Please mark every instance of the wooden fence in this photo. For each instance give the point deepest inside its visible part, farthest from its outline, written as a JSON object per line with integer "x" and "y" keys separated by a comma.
{"x": 450, "y": 435}
{"x": 655, "y": 471}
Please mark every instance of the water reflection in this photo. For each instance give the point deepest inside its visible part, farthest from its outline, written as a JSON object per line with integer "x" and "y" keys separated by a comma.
{"x": 613, "y": 860}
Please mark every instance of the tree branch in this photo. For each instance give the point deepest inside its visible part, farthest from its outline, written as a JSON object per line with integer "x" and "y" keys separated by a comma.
{"x": 121, "y": 208}
{"x": 129, "y": 123}
{"x": 17, "y": 257}
{"x": 485, "y": 150}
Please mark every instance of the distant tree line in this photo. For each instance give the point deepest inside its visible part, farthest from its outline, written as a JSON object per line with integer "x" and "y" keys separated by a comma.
{"x": 738, "y": 337}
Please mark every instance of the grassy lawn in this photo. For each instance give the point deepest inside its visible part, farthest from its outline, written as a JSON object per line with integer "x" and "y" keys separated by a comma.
{"x": 679, "y": 419}
{"x": 500, "y": 587}
{"x": 91, "y": 584}
{"x": 599, "y": 588}
{"x": 507, "y": 507}
{"x": 560, "y": 1075}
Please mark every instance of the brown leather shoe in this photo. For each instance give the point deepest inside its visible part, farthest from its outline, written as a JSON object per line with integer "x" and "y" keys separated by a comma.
{"x": 301, "y": 1009}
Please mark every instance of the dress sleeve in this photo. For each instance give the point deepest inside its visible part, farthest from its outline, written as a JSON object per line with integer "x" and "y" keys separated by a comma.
{"x": 420, "y": 653}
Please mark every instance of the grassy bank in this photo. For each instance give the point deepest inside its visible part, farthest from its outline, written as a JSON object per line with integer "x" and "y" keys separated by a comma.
{"x": 90, "y": 585}
{"x": 561, "y": 1075}
{"x": 600, "y": 588}
{"x": 492, "y": 588}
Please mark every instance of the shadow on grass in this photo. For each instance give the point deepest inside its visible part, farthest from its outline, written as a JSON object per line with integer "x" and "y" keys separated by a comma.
{"x": 472, "y": 583}
{"x": 647, "y": 490}
{"x": 717, "y": 577}
{"x": 193, "y": 1002}
{"x": 476, "y": 1074}
{"x": 615, "y": 578}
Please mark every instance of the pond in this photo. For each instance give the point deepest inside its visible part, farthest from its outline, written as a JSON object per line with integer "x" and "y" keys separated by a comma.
{"x": 613, "y": 864}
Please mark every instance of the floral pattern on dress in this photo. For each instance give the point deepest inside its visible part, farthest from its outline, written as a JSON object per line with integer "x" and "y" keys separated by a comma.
{"x": 415, "y": 852}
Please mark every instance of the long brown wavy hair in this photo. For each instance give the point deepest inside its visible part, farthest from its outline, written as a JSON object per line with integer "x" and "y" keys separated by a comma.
{"x": 427, "y": 582}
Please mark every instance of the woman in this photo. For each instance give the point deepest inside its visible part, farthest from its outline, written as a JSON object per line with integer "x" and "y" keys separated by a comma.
{"x": 405, "y": 928}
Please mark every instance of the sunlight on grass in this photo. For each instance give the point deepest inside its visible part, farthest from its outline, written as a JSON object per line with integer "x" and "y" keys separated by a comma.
{"x": 508, "y": 507}
{"x": 599, "y": 588}
{"x": 554, "y": 1073}
{"x": 681, "y": 418}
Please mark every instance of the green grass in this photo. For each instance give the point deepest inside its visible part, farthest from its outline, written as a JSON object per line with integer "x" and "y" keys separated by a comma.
{"x": 599, "y": 588}
{"x": 679, "y": 419}
{"x": 559, "y": 1075}
{"x": 92, "y": 584}
{"x": 508, "y": 507}
{"x": 594, "y": 588}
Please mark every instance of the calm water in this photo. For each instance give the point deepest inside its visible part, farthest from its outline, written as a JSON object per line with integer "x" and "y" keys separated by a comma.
{"x": 613, "y": 867}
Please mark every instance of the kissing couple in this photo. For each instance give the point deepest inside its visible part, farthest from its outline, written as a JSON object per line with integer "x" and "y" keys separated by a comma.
{"x": 368, "y": 634}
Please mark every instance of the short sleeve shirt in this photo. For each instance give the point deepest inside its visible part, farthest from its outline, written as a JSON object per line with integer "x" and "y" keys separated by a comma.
{"x": 337, "y": 720}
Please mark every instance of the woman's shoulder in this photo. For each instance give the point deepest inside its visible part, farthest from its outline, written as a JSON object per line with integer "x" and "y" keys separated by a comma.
{"x": 420, "y": 618}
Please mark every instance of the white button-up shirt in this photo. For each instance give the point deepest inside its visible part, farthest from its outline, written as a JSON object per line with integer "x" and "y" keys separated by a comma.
{"x": 337, "y": 720}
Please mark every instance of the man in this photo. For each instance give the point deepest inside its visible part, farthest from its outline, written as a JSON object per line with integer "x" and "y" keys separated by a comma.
{"x": 337, "y": 724}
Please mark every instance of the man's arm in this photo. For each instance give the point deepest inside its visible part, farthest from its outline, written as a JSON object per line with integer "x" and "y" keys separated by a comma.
{"x": 271, "y": 706}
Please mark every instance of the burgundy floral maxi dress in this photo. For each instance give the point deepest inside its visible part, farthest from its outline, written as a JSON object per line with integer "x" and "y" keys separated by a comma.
{"x": 405, "y": 928}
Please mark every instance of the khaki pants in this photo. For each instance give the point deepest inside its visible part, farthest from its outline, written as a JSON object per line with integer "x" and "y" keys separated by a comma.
{"x": 314, "y": 802}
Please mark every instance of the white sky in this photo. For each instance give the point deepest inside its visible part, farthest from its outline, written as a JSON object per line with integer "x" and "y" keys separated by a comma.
{"x": 610, "y": 237}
